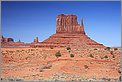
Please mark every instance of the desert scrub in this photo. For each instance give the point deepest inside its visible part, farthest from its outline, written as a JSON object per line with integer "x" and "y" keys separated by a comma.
{"x": 68, "y": 48}
{"x": 91, "y": 56}
{"x": 11, "y": 51}
{"x": 17, "y": 50}
{"x": 107, "y": 48}
{"x": 111, "y": 52}
{"x": 85, "y": 66}
{"x": 32, "y": 49}
{"x": 71, "y": 55}
{"x": 95, "y": 49}
{"x": 115, "y": 49}
{"x": 105, "y": 56}
{"x": 27, "y": 57}
{"x": 58, "y": 54}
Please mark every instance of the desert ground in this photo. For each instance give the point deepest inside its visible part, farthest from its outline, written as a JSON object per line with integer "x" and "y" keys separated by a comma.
{"x": 60, "y": 64}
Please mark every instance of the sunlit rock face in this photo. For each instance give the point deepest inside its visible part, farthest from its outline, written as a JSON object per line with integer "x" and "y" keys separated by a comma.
{"x": 68, "y": 24}
{"x": 70, "y": 33}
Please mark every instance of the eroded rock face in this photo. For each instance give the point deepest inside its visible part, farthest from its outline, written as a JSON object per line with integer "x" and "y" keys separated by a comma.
{"x": 9, "y": 42}
{"x": 3, "y": 39}
{"x": 68, "y": 24}
{"x": 69, "y": 33}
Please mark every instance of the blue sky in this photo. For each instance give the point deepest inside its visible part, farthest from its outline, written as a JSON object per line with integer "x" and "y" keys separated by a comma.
{"x": 27, "y": 20}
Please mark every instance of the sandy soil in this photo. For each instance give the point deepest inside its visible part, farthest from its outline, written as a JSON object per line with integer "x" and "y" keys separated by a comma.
{"x": 41, "y": 64}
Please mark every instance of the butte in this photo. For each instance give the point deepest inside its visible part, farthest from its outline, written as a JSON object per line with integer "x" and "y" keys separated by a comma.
{"x": 68, "y": 34}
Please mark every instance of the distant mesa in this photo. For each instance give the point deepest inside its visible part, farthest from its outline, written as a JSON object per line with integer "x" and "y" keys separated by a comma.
{"x": 9, "y": 42}
{"x": 68, "y": 33}
{"x": 7, "y": 39}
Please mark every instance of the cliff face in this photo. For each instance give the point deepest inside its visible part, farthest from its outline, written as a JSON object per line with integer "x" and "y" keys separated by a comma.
{"x": 68, "y": 24}
{"x": 3, "y": 39}
{"x": 69, "y": 33}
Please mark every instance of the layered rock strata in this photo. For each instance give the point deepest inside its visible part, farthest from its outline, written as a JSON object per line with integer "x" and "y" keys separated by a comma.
{"x": 69, "y": 33}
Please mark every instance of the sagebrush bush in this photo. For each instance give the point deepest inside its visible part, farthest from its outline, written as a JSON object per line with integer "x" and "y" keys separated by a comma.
{"x": 105, "y": 56}
{"x": 85, "y": 66}
{"x": 115, "y": 49}
{"x": 91, "y": 56}
{"x": 112, "y": 53}
{"x": 107, "y": 48}
{"x": 58, "y": 54}
{"x": 68, "y": 48}
{"x": 71, "y": 55}
{"x": 95, "y": 49}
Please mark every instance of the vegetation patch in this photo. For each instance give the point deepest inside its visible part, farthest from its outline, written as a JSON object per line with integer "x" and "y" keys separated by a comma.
{"x": 68, "y": 48}
{"x": 71, "y": 55}
{"x": 95, "y": 49}
{"x": 58, "y": 54}
{"x": 91, "y": 56}
{"x": 85, "y": 66}
{"x": 111, "y": 52}
{"x": 105, "y": 56}
{"x": 115, "y": 49}
{"x": 107, "y": 48}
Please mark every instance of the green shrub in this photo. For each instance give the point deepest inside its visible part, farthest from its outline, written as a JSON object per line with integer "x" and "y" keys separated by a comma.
{"x": 115, "y": 49}
{"x": 68, "y": 48}
{"x": 95, "y": 49}
{"x": 106, "y": 56}
{"x": 85, "y": 66}
{"x": 91, "y": 56}
{"x": 17, "y": 50}
{"x": 113, "y": 56}
{"x": 11, "y": 51}
{"x": 71, "y": 55}
{"x": 32, "y": 49}
{"x": 19, "y": 80}
{"x": 111, "y": 53}
{"x": 107, "y": 48}
{"x": 58, "y": 54}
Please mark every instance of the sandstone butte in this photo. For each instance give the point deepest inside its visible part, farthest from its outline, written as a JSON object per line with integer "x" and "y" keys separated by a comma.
{"x": 68, "y": 33}
{"x": 67, "y": 55}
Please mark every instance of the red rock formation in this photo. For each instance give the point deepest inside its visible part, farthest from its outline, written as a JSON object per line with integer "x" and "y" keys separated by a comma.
{"x": 7, "y": 39}
{"x": 69, "y": 33}
{"x": 9, "y": 42}
{"x": 68, "y": 24}
{"x": 36, "y": 40}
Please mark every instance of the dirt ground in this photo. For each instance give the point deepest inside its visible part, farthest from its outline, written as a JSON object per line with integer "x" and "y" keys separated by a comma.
{"x": 60, "y": 64}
